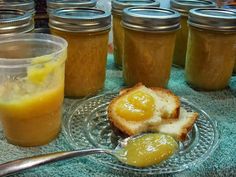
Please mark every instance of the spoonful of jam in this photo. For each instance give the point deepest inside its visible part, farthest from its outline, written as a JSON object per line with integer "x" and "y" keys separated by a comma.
{"x": 139, "y": 151}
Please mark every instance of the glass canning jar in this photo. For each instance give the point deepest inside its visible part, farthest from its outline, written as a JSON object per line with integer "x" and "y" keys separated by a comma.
{"x": 118, "y": 32}
{"x": 14, "y": 21}
{"x": 149, "y": 40}
{"x": 231, "y": 6}
{"x": 211, "y": 48}
{"x": 86, "y": 31}
{"x": 183, "y": 7}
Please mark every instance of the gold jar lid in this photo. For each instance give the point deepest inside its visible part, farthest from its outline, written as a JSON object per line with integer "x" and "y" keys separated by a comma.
{"x": 25, "y": 5}
{"x": 151, "y": 19}
{"x": 215, "y": 19}
{"x": 15, "y": 21}
{"x": 80, "y": 20}
{"x": 183, "y": 6}
{"x": 119, "y": 5}
{"x": 56, "y": 4}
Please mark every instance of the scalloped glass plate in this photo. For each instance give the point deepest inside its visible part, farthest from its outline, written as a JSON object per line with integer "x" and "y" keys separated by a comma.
{"x": 87, "y": 126}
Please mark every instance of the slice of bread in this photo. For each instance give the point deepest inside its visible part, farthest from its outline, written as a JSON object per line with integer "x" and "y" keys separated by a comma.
{"x": 177, "y": 128}
{"x": 171, "y": 102}
{"x": 167, "y": 107}
{"x": 168, "y": 117}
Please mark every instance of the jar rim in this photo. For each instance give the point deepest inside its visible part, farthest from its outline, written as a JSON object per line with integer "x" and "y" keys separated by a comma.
{"x": 119, "y": 5}
{"x": 216, "y": 19}
{"x": 55, "y": 4}
{"x": 39, "y": 37}
{"x": 151, "y": 19}
{"x": 26, "y": 5}
{"x": 15, "y": 21}
{"x": 183, "y": 6}
{"x": 80, "y": 19}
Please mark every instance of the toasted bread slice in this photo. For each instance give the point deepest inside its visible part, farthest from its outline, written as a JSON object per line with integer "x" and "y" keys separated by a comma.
{"x": 167, "y": 107}
{"x": 172, "y": 101}
{"x": 178, "y": 128}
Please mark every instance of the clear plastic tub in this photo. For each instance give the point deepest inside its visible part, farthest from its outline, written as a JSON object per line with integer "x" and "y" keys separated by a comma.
{"x": 31, "y": 87}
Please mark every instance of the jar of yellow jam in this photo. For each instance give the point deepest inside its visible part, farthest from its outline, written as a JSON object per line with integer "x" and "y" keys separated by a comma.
{"x": 149, "y": 40}
{"x": 211, "y": 48}
{"x": 31, "y": 87}
{"x": 183, "y": 7}
{"x": 118, "y": 32}
{"x": 86, "y": 31}
{"x": 14, "y": 21}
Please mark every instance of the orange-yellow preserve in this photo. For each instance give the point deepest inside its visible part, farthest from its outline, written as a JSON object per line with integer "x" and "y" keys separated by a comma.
{"x": 147, "y": 150}
{"x": 86, "y": 31}
{"x": 31, "y": 103}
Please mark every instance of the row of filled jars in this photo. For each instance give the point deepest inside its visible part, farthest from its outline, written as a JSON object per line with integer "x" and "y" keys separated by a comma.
{"x": 145, "y": 43}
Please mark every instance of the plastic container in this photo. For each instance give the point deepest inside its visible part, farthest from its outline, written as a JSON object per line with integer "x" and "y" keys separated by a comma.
{"x": 14, "y": 21}
{"x": 183, "y": 7}
{"x": 31, "y": 87}
{"x": 211, "y": 48}
{"x": 149, "y": 35}
{"x": 118, "y": 32}
{"x": 86, "y": 31}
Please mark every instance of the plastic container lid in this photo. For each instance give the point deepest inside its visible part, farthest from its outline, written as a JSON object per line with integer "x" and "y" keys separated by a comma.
{"x": 152, "y": 19}
{"x": 80, "y": 20}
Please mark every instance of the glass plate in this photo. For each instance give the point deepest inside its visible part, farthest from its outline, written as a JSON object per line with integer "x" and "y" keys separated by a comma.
{"x": 87, "y": 126}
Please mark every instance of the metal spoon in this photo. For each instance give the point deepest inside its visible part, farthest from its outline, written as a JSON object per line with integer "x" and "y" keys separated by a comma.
{"x": 15, "y": 166}
{"x": 120, "y": 152}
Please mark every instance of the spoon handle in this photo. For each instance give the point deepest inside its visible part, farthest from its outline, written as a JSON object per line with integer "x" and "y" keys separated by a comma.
{"x": 30, "y": 162}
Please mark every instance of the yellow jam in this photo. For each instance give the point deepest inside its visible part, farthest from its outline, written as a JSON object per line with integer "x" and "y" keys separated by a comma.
{"x": 235, "y": 66}
{"x": 147, "y": 150}
{"x": 147, "y": 57}
{"x": 85, "y": 68}
{"x": 181, "y": 43}
{"x": 31, "y": 106}
{"x": 118, "y": 40}
{"x": 137, "y": 106}
{"x": 210, "y": 59}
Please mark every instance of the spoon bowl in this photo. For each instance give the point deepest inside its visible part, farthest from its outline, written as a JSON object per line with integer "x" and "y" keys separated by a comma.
{"x": 128, "y": 151}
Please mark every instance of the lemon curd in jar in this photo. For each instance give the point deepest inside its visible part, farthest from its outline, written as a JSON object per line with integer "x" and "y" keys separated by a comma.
{"x": 149, "y": 45}
{"x": 85, "y": 73}
{"x": 148, "y": 57}
{"x": 148, "y": 149}
{"x": 31, "y": 94}
{"x": 118, "y": 32}
{"x": 118, "y": 40}
{"x": 87, "y": 48}
{"x": 183, "y": 7}
{"x": 211, "y": 50}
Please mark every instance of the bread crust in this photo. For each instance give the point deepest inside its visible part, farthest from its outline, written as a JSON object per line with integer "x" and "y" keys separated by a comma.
{"x": 120, "y": 125}
{"x": 162, "y": 92}
{"x": 124, "y": 125}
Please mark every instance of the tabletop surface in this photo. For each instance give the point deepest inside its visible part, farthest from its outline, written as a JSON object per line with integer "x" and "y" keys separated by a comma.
{"x": 220, "y": 105}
